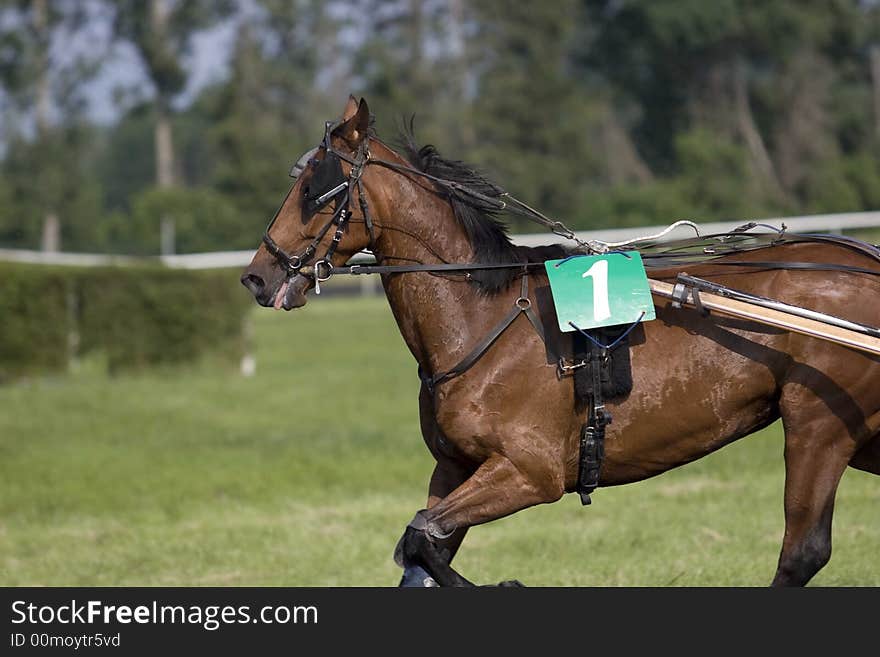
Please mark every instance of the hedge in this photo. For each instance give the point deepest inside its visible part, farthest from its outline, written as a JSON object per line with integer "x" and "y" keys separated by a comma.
{"x": 137, "y": 316}
{"x": 35, "y": 320}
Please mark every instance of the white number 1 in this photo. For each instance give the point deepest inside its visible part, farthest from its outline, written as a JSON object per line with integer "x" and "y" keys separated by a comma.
{"x": 599, "y": 273}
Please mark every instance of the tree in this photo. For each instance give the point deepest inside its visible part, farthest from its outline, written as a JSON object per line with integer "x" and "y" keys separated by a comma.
{"x": 43, "y": 98}
{"x": 161, "y": 31}
{"x": 762, "y": 75}
{"x": 536, "y": 127}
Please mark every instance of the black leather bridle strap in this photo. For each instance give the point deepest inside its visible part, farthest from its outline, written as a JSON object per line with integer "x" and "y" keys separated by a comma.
{"x": 365, "y": 211}
{"x": 357, "y": 270}
{"x": 802, "y": 266}
{"x": 507, "y": 204}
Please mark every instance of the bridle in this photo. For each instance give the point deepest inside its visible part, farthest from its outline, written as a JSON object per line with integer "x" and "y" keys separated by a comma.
{"x": 341, "y": 190}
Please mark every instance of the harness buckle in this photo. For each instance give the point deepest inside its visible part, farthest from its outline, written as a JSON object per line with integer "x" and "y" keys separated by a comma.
{"x": 564, "y": 370}
{"x": 293, "y": 263}
{"x": 680, "y": 293}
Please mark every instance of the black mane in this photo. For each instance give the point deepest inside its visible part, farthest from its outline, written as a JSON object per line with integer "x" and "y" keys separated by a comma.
{"x": 485, "y": 230}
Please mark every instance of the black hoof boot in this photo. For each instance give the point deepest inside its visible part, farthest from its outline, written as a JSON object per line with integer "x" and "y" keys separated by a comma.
{"x": 416, "y": 576}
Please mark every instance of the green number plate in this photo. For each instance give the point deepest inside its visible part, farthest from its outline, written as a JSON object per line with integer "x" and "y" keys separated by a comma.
{"x": 603, "y": 290}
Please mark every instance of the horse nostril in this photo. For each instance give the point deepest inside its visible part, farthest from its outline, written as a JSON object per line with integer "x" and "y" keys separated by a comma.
{"x": 254, "y": 283}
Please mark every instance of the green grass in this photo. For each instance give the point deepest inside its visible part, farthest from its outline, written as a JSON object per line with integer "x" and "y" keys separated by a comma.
{"x": 306, "y": 474}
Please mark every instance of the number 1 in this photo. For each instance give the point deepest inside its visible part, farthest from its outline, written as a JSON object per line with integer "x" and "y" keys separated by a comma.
{"x": 599, "y": 273}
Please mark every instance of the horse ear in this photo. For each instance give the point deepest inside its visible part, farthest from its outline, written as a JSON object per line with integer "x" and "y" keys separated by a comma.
{"x": 351, "y": 108}
{"x": 355, "y": 127}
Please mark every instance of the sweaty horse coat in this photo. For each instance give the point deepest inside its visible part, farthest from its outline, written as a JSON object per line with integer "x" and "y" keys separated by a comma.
{"x": 505, "y": 433}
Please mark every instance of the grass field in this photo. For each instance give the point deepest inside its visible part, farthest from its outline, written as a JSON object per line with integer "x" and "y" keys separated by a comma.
{"x": 306, "y": 474}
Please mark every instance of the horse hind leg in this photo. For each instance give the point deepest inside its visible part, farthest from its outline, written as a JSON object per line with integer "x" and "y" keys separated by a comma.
{"x": 818, "y": 448}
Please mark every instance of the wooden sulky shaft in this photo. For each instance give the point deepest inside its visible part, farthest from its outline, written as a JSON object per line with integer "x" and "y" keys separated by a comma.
{"x": 775, "y": 318}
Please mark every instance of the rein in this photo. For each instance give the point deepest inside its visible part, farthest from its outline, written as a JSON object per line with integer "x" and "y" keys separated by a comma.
{"x": 341, "y": 190}
{"x": 323, "y": 268}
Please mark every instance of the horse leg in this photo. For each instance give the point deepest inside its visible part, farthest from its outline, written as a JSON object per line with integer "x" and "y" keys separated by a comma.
{"x": 818, "y": 449}
{"x": 498, "y": 488}
{"x": 447, "y": 476}
{"x": 449, "y": 473}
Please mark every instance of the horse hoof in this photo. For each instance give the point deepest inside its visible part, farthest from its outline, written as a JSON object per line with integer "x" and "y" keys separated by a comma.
{"x": 416, "y": 576}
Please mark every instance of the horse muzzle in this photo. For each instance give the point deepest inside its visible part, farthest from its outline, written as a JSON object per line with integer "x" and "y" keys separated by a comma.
{"x": 292, "y": 292}
{"x": 289, "y": 293}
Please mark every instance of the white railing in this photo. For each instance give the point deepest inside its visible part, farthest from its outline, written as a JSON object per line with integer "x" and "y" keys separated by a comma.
{"x": 833, "y": 223}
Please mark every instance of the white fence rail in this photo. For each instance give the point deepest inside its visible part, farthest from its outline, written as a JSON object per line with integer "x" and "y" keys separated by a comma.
{"x": 833, "y": 223}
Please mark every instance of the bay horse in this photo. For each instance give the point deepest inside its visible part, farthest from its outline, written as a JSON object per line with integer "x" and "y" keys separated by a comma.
{"x": 505, "y": 433}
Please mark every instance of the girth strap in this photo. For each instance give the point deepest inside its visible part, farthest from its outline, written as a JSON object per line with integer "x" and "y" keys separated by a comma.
{"x": 521, "y": 305}
{"x": 592, "y": 443}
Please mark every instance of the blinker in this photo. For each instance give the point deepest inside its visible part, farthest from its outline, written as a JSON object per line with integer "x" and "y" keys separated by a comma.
{"x": 326, "y": 182}
{"x": 307, "y": 159}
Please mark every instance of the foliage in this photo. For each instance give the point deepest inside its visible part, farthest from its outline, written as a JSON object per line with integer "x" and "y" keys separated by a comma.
{"x": 38, "y": 179}
{"x": 599, "y": 112}
{"x": 204, "y": 220}
{"x": 134, "y": 316}
{"x": 161, "y": 31}
{"x": 147, "y": 316}
{"x": 37, "y": 322}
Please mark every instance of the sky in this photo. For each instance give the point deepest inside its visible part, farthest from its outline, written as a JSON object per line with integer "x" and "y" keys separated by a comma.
{"x": 208, "y": 63}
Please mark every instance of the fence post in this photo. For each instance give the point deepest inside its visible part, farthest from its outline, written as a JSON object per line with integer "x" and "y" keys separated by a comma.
{"x": 248, "y": 361}
{"x": 369, "y": 285}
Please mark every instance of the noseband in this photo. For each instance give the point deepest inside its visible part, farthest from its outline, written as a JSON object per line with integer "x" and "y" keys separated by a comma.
{"x": 332, "y": 185}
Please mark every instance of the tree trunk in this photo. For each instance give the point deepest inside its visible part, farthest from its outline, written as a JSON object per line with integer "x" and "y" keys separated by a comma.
{"x": 463, "y": 84}
{"x": 164, "y": 143}
{"x": 623, "y": 162}
{"x": 748, "y": 129}
{"x": 164, "y": 147}
{"x": 874, "y": 54}
{"x": 416, "y": 29}
{"x": 50, "y": 239}
{"x": 41, "y": 28}
{"x": 164, "y": 174}
{"x": 162, "y": 133}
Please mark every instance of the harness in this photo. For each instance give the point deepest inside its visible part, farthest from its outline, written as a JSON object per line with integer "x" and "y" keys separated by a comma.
{"x": 330, "y": 184}
{"x": 339, "y": 188}
{"x": 522, "y": 306}
{"x": 328, "y": 173}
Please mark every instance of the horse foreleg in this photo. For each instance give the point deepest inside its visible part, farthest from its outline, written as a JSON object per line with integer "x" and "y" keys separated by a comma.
{"x": 498, "y": 488}
{"x": 447, "y": 476}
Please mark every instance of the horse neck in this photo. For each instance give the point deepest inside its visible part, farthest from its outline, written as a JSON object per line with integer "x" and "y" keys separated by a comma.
{"x": 436, "y": 314}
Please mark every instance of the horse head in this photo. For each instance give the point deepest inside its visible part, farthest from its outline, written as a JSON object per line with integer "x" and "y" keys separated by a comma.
{"x": 314, "y": 228}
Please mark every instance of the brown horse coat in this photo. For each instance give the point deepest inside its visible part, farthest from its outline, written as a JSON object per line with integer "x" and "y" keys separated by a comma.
{"x": 506, "y": 433}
